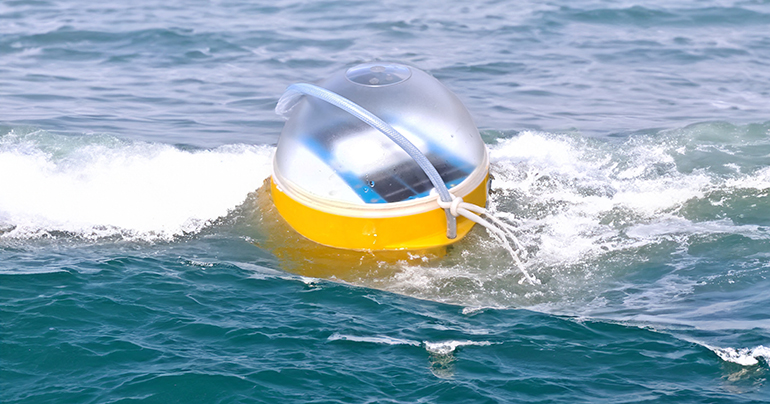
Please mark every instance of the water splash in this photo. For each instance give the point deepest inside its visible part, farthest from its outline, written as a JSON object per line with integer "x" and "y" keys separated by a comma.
{"x": 743, "y": 356}
{"x": 590, "y": 213}
{"x": 96, "y": 186}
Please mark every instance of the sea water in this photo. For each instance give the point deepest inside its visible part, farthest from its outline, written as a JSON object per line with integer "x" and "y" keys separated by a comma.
{"x": 629, "y": 144}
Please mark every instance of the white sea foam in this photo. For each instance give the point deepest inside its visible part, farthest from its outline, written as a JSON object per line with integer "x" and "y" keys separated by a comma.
{"x": 437, "y": 348}
{"x": 590, "y": 199}
{"x": 759, "y": 181}
{"x": 448, "y": 347}
{"x": 671, "y": 226}
{"x": 372, "y": 340}
{"x": 136, "y": 190}
{"x": 743, "y": 356}
{"x": 587, "y": 208}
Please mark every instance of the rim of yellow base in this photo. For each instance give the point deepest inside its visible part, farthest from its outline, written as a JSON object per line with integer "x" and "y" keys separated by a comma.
{"x": 409, "y": 225}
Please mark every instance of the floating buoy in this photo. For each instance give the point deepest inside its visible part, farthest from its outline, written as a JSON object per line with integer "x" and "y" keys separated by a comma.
{"x": 381, "y": 156}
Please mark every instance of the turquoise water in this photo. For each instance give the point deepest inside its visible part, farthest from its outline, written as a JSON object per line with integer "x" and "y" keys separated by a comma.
{"x": 630, "y": 145}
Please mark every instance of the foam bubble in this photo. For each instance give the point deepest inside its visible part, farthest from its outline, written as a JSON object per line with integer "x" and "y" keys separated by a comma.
{"x": 743, "y": 356}
{"x": 96, "y": 188}
{"x": 587, "y": 209}
{"x": 672, "y": 226}
{"x": 580, "y": 198}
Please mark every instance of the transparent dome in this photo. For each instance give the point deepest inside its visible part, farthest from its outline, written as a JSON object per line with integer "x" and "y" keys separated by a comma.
{"x": 329, "y": 153}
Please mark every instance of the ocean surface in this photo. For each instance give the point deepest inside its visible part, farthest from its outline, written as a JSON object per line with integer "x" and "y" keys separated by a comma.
{"x": 139, "y": 263}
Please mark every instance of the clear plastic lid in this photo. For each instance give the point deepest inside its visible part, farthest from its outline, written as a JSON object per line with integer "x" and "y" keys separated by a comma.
{"x": 329, "y": 153}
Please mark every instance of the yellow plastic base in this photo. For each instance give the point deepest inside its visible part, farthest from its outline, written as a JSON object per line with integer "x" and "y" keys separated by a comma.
{"x": 411, "y": 232}
{"x": 297, "y": 254}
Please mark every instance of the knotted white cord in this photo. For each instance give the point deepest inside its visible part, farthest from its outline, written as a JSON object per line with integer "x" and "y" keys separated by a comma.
{"x": 499, "y": 230}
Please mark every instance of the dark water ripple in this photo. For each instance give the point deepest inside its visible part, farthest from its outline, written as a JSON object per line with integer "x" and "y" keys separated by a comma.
{"x": 183, "y": 332}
